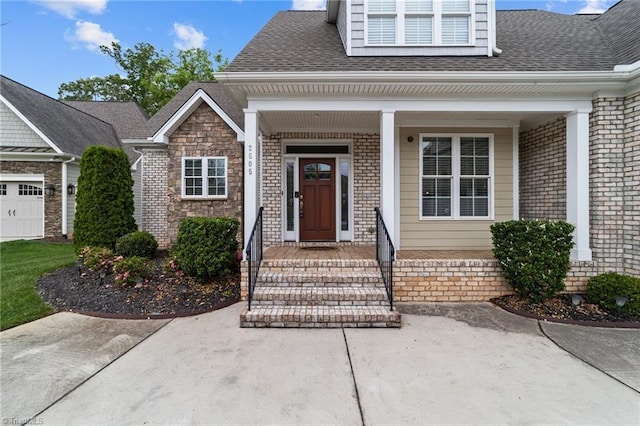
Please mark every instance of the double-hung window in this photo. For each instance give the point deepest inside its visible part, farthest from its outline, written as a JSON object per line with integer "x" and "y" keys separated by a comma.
{"x": 455, "y": 176}
{"x": 418, "y": 22}
{"x": 204, "y": 177}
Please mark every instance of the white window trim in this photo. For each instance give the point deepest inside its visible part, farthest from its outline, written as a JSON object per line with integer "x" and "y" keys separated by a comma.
{"x": 437, "y": 15}
{"x": 205, "y": 180}
{"x": 455, "y": 168}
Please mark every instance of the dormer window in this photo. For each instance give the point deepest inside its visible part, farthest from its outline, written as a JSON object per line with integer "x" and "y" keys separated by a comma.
{"x": 418, "y": 22}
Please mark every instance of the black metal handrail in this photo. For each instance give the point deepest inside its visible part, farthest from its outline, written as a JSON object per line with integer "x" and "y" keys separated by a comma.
{"x": 385, "y": 255}
{"x": 254, "y": 255}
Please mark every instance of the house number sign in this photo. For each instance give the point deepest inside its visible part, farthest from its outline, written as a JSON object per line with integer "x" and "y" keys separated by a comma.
{"x": 250, "y": 160}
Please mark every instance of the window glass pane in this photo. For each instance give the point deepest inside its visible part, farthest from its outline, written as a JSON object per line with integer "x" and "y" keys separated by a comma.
{"x": 382, "y": 6}
{"x": 3, "y": 189}
{"x": 482, "y": 147}
{"x": 216, "y": 167}
{"x": 193, "y": 186}
{"x": 466, "y": 146}
{"x": 444, "y": 147}
{"x": 324, "y": 167}
{"x": 290, "y": 198}
{"x": 419, "y": 6}
{"x": 418, "y": 30}
{"x": 428, "y": 146}
{"x": 443, "y": 207}
{"x": 482, "y": 166}
{"x": 443, "y": 187}
{"x": 344, "y": 195}
{"x": 444, "y": 165}
{"x": 455, "y": 30}
{"x": 481, "y": 187}
{"x": 455, "y": 6}
{"x": 216, "y": 186}
{"x": 466, "y": 166}
{"x": 382, "y": 30}
{"x": 466, "y": 187}
{"x": 429, "y": 166}
{"x": 428, "y": 207}
{"x": 466, "y": 206}
{"x": 193, "y": 167}
{"x": 481, "y": 206}
{"x": 428, "y": 187}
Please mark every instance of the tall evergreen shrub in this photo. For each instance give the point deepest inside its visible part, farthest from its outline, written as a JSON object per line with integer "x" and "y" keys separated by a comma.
{"x": 104, "y": 199}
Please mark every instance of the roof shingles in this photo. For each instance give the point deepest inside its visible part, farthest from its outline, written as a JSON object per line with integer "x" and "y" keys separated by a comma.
{"x": 530, "y": 40}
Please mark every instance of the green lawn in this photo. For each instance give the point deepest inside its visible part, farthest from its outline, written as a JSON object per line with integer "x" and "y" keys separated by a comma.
{"x": 21, "y": 263}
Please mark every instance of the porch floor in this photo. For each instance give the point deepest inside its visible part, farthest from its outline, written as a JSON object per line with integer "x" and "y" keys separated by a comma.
{"x": 367, "y": 252}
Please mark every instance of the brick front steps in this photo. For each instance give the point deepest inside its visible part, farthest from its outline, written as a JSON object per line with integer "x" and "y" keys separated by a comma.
{"x": 319, "y": 293}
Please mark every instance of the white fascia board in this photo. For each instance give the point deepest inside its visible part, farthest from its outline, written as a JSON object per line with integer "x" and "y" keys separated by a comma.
{"x": 424, "y": 77}
{"x": 52, "y": 157}
{"x": 14, "y": 177}
{"x": 162, "y": 134}
{"x": 31, "y": 125}
{"x": 145, "y": 143}
{"x": 421, "y": 105}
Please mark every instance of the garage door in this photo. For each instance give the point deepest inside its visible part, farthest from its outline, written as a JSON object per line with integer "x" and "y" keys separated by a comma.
{"x": 22, "y": 210}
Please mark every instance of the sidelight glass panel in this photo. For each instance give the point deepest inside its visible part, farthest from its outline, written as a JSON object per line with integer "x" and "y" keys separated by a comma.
{"x": 344, "y": 195}
{"x": 290, "y": 199}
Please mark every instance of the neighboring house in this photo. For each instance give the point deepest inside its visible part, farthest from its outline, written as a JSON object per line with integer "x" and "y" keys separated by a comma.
{"x": 41, "y": 143}
{"x": 447, "y": 115}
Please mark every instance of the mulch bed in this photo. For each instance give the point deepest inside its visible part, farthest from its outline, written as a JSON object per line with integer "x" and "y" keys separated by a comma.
{"x": 560, "y": 309}
{"x": 159, "y": 296}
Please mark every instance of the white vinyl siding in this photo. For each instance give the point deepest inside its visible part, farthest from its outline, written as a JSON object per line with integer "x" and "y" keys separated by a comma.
{"x": 444, "y": 233}
{"x": 73, "y": 173}
{"x": 204, "y": 177}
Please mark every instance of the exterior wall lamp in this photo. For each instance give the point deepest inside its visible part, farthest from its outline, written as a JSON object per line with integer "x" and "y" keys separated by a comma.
{"x": 71, "y": 189}
{"x": 50, "y": 190}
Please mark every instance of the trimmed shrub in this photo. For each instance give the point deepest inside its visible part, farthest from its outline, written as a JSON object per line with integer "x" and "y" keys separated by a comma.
{"x": 104, "y": 199}
{"x": 206, "y": 246}
{"x": 533, "y": 255}
{"x": 603, "y": 289}
{"x": 130, "y": 269}
{"x": 139, "y": 243}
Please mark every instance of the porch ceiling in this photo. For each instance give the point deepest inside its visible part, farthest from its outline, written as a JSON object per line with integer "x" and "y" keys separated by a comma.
{"x": 369, "y": 121}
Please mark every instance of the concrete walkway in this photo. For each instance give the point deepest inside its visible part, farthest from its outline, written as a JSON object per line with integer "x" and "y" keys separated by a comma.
{"x": 471, "y": 364}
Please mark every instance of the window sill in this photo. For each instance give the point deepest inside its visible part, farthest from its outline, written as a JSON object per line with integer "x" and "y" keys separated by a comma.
{"x": 203, "y": 198}
{"x": 456, "y": 219}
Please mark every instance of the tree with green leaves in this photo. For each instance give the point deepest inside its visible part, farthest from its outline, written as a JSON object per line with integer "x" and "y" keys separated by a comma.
{"x": 150, "y": 77}
{"x": 104, "y": 201}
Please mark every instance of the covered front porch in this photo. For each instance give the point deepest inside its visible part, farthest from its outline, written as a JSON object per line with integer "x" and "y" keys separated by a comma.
{"x": 440, "y": 172}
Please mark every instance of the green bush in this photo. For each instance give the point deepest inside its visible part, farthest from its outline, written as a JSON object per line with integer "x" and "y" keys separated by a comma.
{"x": 104, "y": 201}
{"x": 139, "y": 243}
{"x": 533, "y": 255}
{"x": 207, "y": 247}
{"x": 603, "y": 289}
{"x": 130, "y": 269}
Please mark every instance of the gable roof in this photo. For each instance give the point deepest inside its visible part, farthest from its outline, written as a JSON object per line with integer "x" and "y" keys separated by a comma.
{"x": 530, "y": 40}
{"x": 125, "y": 117}
{"x": 70, "y": 131}
{"x": 214, "y": 90}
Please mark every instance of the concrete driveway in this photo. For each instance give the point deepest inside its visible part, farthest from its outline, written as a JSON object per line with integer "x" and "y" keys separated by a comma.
{"x": 471, "y": 364}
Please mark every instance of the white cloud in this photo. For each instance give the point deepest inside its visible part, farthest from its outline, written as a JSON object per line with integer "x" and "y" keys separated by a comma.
{"x": 69, "y": 8}
{"x": 594, "y": 6}
{"x": 308, "y": 4}
{"x": 91, "y": 35}
{"x": 188, "y": 37}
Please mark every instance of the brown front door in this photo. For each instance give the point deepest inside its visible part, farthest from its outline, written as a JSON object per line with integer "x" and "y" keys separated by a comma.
{"x": 317, "y": 199}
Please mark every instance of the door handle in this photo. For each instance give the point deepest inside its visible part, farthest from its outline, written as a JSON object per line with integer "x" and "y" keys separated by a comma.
{"x": 9, "y": 212}
{"x": 14, "y": 212}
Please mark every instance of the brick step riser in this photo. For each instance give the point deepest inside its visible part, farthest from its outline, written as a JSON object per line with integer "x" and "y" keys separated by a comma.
{"x": 369, "y": 285}
{"x": 318, "y": 263}
{"x": 278, "y": 324}
{"x": 271, "y": 303}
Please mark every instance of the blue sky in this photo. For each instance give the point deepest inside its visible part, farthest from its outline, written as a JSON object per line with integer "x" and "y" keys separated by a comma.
{"x": 44, "y": 43}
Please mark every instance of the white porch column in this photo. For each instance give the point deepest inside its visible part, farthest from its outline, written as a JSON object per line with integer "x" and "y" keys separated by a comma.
{"x": 250, "y": 171}
{"x": 578, "y": 181}
{"x": 387, "y": 171}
